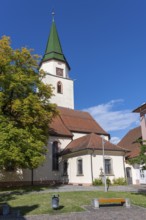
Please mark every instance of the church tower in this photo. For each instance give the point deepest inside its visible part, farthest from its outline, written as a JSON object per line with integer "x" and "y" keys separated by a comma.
{"x": 57, "y": 68}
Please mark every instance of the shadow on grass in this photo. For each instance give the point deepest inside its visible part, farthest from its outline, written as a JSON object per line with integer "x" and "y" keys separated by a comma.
{"x": 24, "y": 210}
{"x": 27, "y": 189}
{"x": 59, "y": 208}
{"x": 140, "y": 191}
{"x": 5, "y": 197}
{"x": 17, "y": 212}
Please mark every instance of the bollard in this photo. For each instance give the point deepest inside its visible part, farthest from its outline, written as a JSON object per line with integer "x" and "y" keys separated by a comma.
{"x": 95, "y": 203}
{"x": 55, "y": 202}
{"x": 127, "y": 203}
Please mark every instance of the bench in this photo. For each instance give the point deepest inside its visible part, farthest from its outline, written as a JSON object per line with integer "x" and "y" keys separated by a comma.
{"x": 111, "y": 201}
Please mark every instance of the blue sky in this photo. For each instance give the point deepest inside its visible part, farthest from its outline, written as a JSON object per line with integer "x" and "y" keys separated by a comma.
{"x": 104, "y": 42}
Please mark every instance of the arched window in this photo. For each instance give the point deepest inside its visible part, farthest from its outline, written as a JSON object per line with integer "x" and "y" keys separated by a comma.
{"x": 55, "y": 159}
{"x": 59, "y": 87}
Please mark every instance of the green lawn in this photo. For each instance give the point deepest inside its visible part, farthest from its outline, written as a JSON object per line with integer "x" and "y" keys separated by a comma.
{"x": 40, "y": 202}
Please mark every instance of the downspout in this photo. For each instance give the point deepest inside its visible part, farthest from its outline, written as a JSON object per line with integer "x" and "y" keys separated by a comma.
{"x": 125, "y": 174}
{"x": 91, "y": 166}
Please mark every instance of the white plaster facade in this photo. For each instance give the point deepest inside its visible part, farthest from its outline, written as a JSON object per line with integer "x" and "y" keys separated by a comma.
{"x": 92, "y": 164}
{"x": 132, "y": 174}
{"x": 78, "y": 135}
{"x": 45, "y": 171}
{"x": 66, "y": 97}
{"x": 135, "y": 174}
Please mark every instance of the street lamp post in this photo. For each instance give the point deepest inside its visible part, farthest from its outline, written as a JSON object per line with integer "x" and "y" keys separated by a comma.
{"x": 105, "y": 186}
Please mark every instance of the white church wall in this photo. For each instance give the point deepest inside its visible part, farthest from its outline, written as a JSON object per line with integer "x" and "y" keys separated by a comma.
{"x": 73, "y": 176}
{"x": 135, "y": 173}
{"x": 44, "y": 172}
{"x": 64, "y": 99}
{"x": 51, "y": 65}
{"x": 11, "y": 176}
{"x": 117, "y": 166}
{"x": 92, "y": 168}
{"x": 105, "y": 137}
{"x": 78, "y": 135}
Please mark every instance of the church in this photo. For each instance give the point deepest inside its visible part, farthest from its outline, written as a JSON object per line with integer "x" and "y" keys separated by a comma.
{"x": 79, "y": 149}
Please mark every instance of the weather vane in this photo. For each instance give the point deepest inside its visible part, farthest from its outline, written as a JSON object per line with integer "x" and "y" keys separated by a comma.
{"x": 53, "y": 14}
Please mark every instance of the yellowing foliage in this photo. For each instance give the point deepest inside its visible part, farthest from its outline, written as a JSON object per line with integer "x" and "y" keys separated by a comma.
{"x": 25, "y": 114}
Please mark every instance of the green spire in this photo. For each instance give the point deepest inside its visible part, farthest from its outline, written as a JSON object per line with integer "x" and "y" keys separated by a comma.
{"x": 53, "y": 48}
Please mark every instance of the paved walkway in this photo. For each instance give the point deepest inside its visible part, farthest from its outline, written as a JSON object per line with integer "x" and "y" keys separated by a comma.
{"x": 103, "y": 213}
{"x": 69, "y": 188}
{"x": 72, "y": 188}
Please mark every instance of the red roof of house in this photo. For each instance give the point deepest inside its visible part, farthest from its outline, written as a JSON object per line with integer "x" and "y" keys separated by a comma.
{"x": 140, "y": 109}
{"x": 90, "y": 141}
{"x": 70, "y": 120}
{"x": 129, "y": 141}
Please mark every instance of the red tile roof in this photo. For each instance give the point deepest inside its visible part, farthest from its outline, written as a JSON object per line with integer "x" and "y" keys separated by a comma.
{"x": 58, "y": 128}
{"x": 71, "y": 120}
{"x": 129, "y": 141}
{"x": 80, "y": 121}
{"x": 134, "y": 153}
{"x": 91, "y": 141}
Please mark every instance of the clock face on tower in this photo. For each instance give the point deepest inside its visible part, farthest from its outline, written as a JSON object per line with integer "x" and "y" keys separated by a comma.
{"x": 59, "y": 72}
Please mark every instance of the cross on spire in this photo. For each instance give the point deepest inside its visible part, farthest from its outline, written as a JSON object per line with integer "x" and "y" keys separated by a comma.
{"x": 53, "y": 15}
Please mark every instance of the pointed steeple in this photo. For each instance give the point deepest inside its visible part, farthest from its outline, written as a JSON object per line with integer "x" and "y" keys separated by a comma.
{"x": 56, "y": 67}
{"x": 53, "y": 48}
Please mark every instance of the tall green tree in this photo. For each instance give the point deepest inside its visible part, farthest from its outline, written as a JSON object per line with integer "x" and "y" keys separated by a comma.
{"x": 25, "y": 110}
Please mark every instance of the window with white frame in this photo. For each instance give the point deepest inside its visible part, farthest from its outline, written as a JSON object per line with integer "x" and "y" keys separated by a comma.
{"x": 79, "y": 166}
{"x": 108, "y": 166}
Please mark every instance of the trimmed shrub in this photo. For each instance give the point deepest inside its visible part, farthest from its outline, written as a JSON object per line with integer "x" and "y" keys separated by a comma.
{"x": 119, "y": 181}
{"x": 97, "y": 182}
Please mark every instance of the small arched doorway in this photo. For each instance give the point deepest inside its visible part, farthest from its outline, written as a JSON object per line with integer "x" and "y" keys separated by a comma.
{"x": 129, "y": 175}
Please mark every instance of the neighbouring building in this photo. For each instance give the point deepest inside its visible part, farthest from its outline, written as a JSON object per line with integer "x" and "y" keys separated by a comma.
{"x": 132, "y": 142}
{"x": 77, "y": 141}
